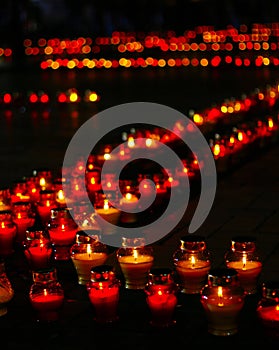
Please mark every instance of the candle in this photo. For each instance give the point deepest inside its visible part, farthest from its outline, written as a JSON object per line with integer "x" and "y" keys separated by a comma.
{"x": 222, "y": 310}
{"x": 245, "y": 259}
{"x": 47, "y": 305}
{"x": 83, "y": 263}
{"x": 192, "y": 274}
{"x": 249, "y": 272}
{"x": 109, "y": 214}
{"x": 46, "y": 294}
{"x": 22, "y": 222}
{"x": 222, "y": 299}
{"x": 103, "y": 292}
{"x": 105, "y": 302}
{"x": 8, "y": 230}
{"x": 269, "y": 314}
{"x": 62, "y": 235}
{"x": 162, "y": 305}
{"x": 129, "y": 201}
{"x": 40, "y": 256}
{"x": 135, "y": 269}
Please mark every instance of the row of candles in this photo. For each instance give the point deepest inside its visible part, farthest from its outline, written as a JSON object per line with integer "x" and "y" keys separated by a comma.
{"x": 222, "y": 291}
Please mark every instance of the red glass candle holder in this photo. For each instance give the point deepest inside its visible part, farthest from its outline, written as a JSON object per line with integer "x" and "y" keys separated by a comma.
{"x": 5, "y": 198}
{"x": 23, "y": 217}
{"x": 103, "y": 292}
{"x": 44, "y": 206}
{"x": 268, "y": 309}
{"x": 8, "y": 230}
{"x": 62, "y": 230}
{"x": 46, "y": 295}
{"x": 38, "y": 249}
{"x": 161, "y": 297}
{"x": 6, "y": 289}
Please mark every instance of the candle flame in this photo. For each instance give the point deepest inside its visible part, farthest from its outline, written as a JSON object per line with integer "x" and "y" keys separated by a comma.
{"x": 220, "y": 296}
{"x": 89, "y": 250}
{"x": 244, "y": 260}
{"x": 277, "y": 307}
{"x": 19, "y": 215}
{"x": 93, "y": 182}
{"x": 128, "y": 196}
{"x": 160, "y": 292}
{"x": 135, "y": 254}
{"x": 193, "y": 261}
{"x": 148, "y": 142}
{"x": 62, "y": 227}
{"x": 42, "y": 182}
{"x": 131, "y": 142}
{"x": 109, "y": 184}
{"x": 45, "y": 292}
{"x": 3, "y": 224}
{"x": 47, "y": 203}
{"x": 101, "y": 285}
{"x": 106, "y": 205}
{"x": 60, "y": 195}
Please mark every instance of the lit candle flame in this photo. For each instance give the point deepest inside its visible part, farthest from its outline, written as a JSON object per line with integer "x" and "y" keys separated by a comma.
{"x": 128, "y": 196}
{"x": 60, "y": 196}
{"x": 220, "y": 296}
{"x": 244, "y": 260}
{"x": 131, "y": 142}
{"x": 19, "y": 215}
{"x": 193, "y": 261}
{"x": 42, "y": 182}
{"x": 88, "y": 250}
{"x": 106, "y": 204}
{"x": 45, "y": 292}
{"x": 135, "y": 254}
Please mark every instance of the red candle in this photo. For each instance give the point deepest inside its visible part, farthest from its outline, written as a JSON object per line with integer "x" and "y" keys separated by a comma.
{"x": 47, "y": 305}
{"x": 62, "y": 235}
{"x": 7, "y": 237}
{"x": 22, "y": 224}
{"x": 105, "y": 299}
{"x": 269, "y": 317}
{"x": 39, "y": 257}
{"x": 162, "y": 305}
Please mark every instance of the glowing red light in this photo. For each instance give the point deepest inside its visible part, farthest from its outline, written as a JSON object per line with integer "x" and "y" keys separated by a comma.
{"x": 62, "y": 98}
{"x": 33, "y": 98}
{"x": 7, "y": 98}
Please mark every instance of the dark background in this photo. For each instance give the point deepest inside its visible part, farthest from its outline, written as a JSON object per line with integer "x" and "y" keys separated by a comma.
{"x": 84, "y": 17}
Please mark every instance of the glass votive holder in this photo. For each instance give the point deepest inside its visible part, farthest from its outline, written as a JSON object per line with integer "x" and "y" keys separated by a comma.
{"x": 222, "y": 299}
{"x": 38, "y": 249}
{"x": 161, "y": 291}
{"x": 23, "y": 217}
{"x": 46, "y": 295}
{"x": 192, "y": 263}
{"x": 46, "y": 203}
{"x": 135, "y": 260}
{"x": 244, "y": 257}
{"x": 87, "y": 253}
{"x": 103, "y": 291}
{"x": 268, "y": 309}
{"x": 62, "y": 230}
{"x": 8, "y": 230}
{"x": 5, "y": 198}
{"x": 6, "y": 289}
